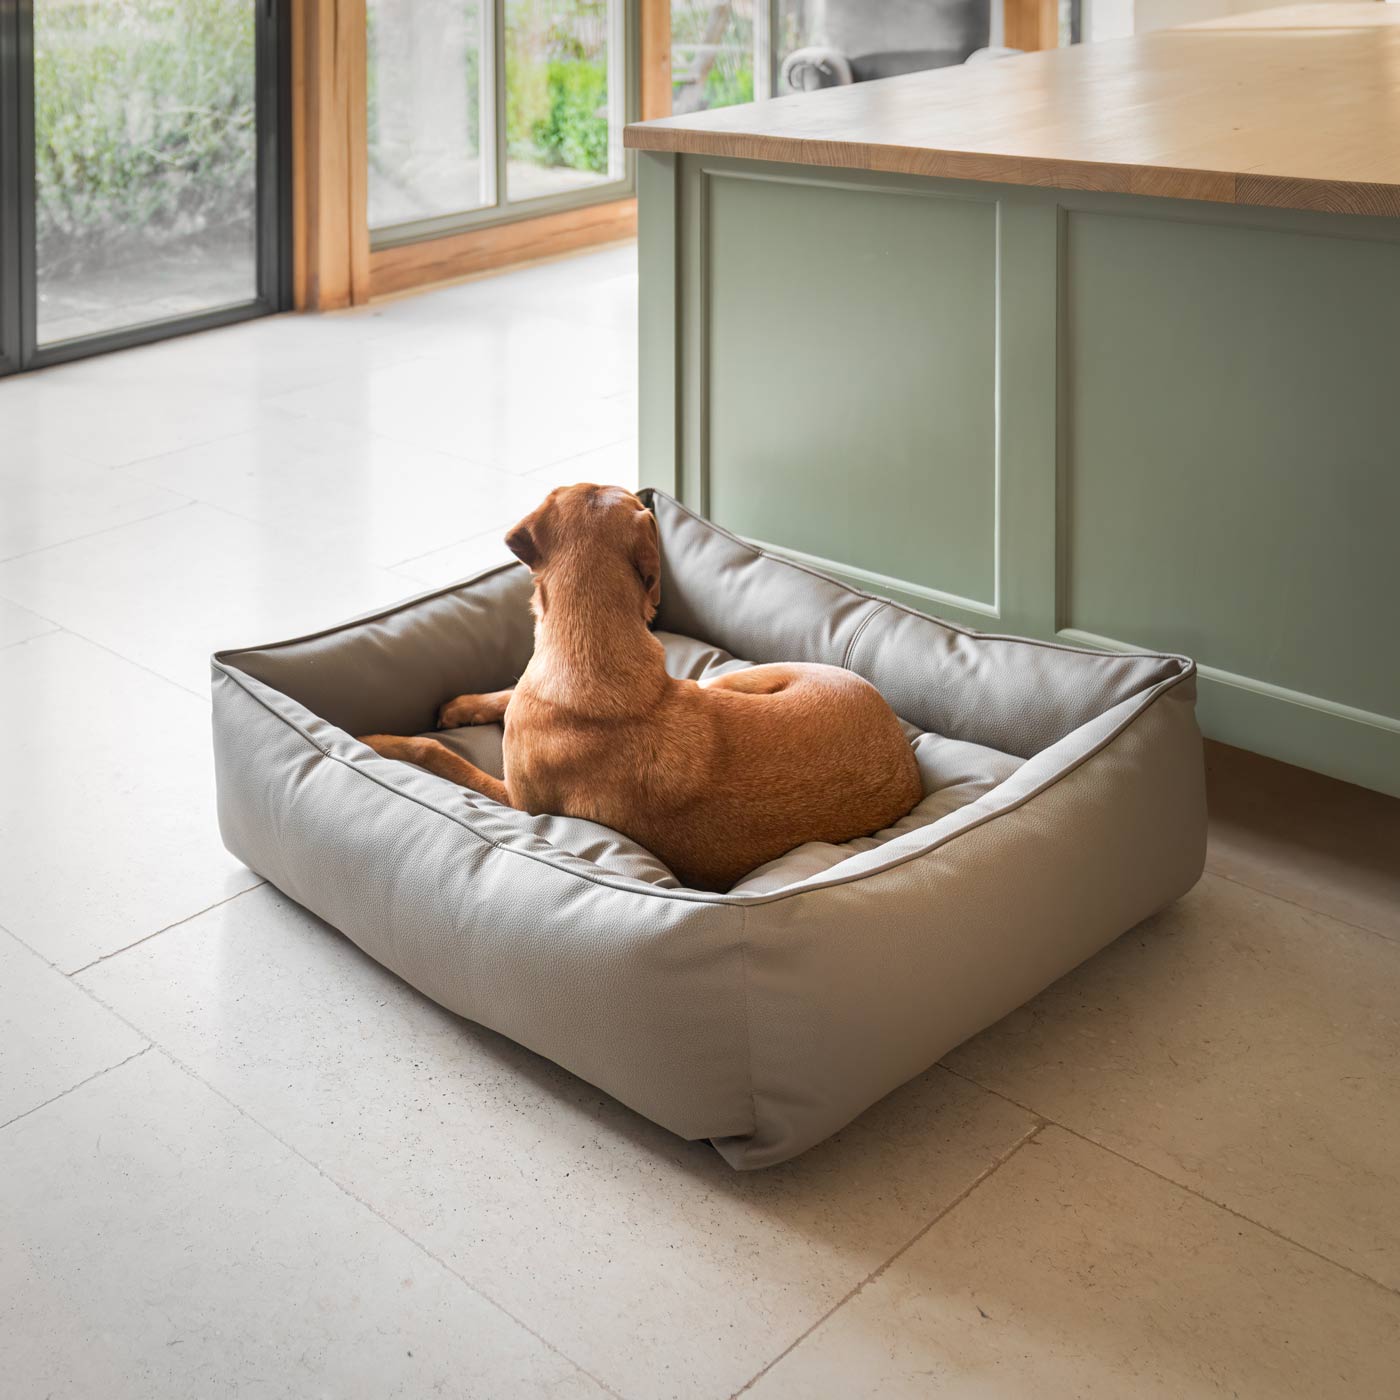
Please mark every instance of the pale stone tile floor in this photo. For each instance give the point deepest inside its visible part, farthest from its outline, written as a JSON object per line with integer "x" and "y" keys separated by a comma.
{"x": 238, "y": 1157}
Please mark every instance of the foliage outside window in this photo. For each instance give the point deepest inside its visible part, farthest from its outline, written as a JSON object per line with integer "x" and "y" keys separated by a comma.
{"x": 144, "y": 126}
{"x": 434, "y": 104}
{"x": 557, "y": 83}
{"x": 719, "y": 46}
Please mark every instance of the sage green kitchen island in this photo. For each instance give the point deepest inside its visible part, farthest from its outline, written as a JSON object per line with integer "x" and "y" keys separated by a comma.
{"x": 1099, "y": 345}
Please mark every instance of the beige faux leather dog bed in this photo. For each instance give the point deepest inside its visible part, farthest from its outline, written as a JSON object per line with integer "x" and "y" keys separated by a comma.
{"x": 1064, "y": 802}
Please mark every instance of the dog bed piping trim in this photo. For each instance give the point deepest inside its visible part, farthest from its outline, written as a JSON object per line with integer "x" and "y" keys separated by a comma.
{"x": 1148, "y": 699}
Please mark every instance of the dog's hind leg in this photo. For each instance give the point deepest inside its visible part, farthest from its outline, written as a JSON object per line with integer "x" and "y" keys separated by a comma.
{"x": 474, "y": 709}
{"x": 438, "y": 758}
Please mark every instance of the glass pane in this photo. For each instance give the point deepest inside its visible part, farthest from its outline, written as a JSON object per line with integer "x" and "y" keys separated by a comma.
{"x": 427, "y": 122}
{"x": 145, "y": 161}
{"x": 799, "y": 22}
{"x": 562, "y": 130}
{"x": 711, "y": 53}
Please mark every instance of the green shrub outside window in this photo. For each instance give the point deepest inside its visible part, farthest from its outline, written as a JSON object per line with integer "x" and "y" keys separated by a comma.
{"x": 144, "y": 122}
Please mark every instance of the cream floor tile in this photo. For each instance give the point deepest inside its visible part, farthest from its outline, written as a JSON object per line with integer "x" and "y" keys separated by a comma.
{"x": 508, "y": 348}
{"x": 107, "y": 806}
{"x": 260, "y": 358}
{"x": 644, "y": 1258}
{"x": 457, "y": 561}
{"x": 155, "y": 1243}
{"x": 54, "y": 1035}
{"x": 514, "y": 421}
{"x": 19, "y": 624}
{"x": 380, "y": 501}
{"x": 1324, "y": 844}
{"x": 594, "y": 289}
{"x": 167, "y": 592}
{"x": 613, "y": 465}
{"x": 1236, "y": 1044}
{"x": 597, "y": 288}
{"x": 62, "y": 498}
{"x": 1071, "y": 1273}
{"x": 111, "y": 424}
{"x": 608, "y": 299}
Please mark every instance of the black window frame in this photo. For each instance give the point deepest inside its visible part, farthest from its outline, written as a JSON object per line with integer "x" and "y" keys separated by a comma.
{"x": 19, "y": 348}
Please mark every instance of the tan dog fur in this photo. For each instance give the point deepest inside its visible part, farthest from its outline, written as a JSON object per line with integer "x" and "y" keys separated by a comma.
{"x": 715, "y": 777}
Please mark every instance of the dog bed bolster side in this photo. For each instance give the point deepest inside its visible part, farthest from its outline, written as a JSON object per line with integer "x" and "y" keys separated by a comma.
{"x": 858, "y": 986}
{"x": 640, "y": 995}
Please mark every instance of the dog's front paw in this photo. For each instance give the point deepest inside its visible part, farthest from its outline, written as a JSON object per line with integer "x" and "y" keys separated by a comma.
{"x": 464, "y": 710}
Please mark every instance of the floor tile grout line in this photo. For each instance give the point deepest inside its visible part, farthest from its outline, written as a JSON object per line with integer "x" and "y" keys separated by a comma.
{"x": 983, "y": 1176}
{"x": 363, "y": 562}
{"x": 455, "y": 544}
{"x": 1178, "y": 1185}
{"x": 283, "y": 533}
{"x": 584, "y": 452}
{"x": 154, "y": 457}
{"x": 393, "y": 439}
{"x": 111, "y": 651}
{"x": 149, "y": 456}
{"x": 1304, "y": 908}
{"x": 183, "y": 504}
{"x": 515, "y": 474}
{"x": 24, "y": 641}
{"x": 96, "y": 1074}
{"x": 423, "y": 1249}
{"x": 146, "y": 938}
{"x": 492, "y": 531}
{"x": 43, "y": 617}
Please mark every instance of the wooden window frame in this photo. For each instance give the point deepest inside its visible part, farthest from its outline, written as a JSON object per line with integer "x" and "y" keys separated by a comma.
{"x": 1030, "y": 24}
{"x": 654, "y": 22}
{"x": 333, "y": 264}
{"x": 330, "y": 162}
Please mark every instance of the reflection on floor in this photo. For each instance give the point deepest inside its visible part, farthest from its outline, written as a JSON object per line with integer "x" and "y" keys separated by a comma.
{"x": 237, "y": 1155}
{"x": 79, "y": 297}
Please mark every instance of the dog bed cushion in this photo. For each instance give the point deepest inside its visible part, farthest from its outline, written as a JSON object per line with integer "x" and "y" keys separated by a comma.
{"x": 1064, "y": 802}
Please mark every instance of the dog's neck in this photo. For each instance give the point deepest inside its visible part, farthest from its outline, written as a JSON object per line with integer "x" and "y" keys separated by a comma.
{"x": 594, "y": 653}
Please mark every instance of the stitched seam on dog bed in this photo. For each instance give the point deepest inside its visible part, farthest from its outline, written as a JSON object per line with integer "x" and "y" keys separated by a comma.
{"x": 865, "y": 622}
{"x": 700, "y": 896}
{"x": 914, "y": 612}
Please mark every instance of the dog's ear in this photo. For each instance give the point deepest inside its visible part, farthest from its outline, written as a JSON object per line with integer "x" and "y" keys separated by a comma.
{"x": 523, "y": 541}
{"x": 646, "y": 559}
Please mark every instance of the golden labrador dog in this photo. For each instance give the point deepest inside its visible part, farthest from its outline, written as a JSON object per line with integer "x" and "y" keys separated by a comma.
{"x": 715, "y": 777}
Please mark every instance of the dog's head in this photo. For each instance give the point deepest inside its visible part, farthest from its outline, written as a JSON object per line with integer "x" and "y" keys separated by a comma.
{"x": 602, "y": 531}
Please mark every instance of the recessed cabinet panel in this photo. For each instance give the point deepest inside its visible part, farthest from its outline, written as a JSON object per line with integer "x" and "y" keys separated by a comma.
{"x": 1230, "y": 487}
{"x": 872, "y": 399}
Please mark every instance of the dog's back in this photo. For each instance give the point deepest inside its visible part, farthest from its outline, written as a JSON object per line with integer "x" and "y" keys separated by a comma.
{"x": 718, "y": 779}
{"x": 715, "y": 778}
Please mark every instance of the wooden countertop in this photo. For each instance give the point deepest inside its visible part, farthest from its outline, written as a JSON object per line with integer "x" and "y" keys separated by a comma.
{"x": 1295, "y": 108}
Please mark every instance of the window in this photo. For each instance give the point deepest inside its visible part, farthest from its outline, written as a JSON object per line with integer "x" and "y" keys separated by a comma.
{"x": 729, "y": 51}
{"x": 481, "y": 110}
{"x": 430, "y": 115}
{"x": 139, "y": 191}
